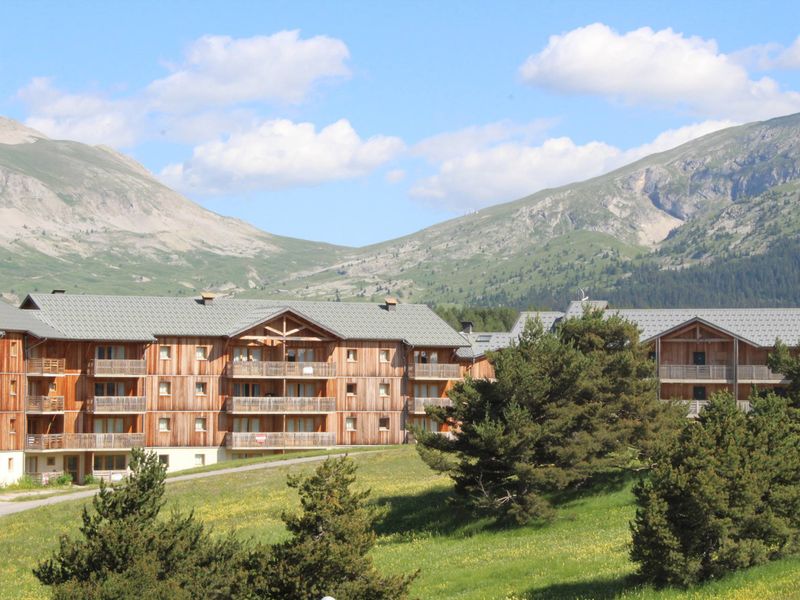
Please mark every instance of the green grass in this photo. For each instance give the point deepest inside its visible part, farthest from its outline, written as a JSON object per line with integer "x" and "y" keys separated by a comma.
{"x": 583, "y": 554}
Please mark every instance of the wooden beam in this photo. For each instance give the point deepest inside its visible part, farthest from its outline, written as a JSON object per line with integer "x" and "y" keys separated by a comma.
{"x": 280, "y": 338}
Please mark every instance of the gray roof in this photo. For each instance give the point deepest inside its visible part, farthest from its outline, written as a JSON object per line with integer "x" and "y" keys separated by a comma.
{"x": 143, "y": 318}
{"x": 14, "y": 319}
{"x": 548, "y": 318}
{"x": 576, "y": 308}
{"x": 482, "y": 342}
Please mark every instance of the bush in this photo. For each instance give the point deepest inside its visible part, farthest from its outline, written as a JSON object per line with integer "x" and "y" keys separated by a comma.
{"x": 725, "y": 496}
{"x": 89, "y": 480}
{"x": 65, "y": 479}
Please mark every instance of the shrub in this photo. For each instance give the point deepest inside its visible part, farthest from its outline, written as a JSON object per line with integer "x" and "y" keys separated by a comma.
{"x": 64, "y": 479}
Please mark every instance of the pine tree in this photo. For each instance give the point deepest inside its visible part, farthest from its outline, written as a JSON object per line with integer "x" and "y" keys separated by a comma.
{"x": 327, "y": 552}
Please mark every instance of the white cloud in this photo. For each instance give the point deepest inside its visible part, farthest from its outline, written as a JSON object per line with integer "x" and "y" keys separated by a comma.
{"x": 766, "y": 57}
{"x": 221, "y": 71}
{"x": 662, "y": 68}
{"x": 506, "y": 171}
{"x": 89, "y": 118}
{"x": 395, "y": 176}
{"x": 280, "y": 153}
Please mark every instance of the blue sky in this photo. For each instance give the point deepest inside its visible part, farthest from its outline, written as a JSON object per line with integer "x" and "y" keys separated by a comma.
{"x": 356, "y": 122}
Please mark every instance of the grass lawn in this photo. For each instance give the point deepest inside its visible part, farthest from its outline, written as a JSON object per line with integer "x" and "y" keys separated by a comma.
{"x": 583, "y": 554}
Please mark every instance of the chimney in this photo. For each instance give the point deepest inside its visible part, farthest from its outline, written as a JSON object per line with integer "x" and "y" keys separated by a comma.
{"x": 207, "y": 298}
{"x": 59, "y": 292}
{"x": 466, "y": 326}
{"x": 391, "y": 303}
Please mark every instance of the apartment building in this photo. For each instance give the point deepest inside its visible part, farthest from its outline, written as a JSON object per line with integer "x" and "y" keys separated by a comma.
{"x": 697, "y": 351}
{"x": 84, "y": 379}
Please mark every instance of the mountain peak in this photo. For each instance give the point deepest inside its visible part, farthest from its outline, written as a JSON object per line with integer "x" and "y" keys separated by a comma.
{"x": 14, "y": 132}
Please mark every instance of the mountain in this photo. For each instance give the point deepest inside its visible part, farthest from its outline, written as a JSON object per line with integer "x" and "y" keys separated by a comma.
{"x": 89, "y": 219}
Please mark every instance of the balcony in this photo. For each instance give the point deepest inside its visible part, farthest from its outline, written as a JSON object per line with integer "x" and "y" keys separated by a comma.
{"x": 45, "y": 367}
{"x": 277, "y": 405}
{"x": 115, "y": 367}
{"x": 83, "y": 441}
{"x": 421, "y": 403}
{"x": 759, "y": 374}
{"x": 706, "y": 373}
{"x": 100, "y": 405}
{"x": 279, "y": 440}
{"x": 265, "y": 369}
{"x": 434, "y": 371}
{"x": 44, "y": 405}
{"x": 695, "y": 406}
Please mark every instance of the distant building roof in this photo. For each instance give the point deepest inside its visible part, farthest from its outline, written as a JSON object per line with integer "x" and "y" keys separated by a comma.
{"x": 143, "y": 318}
{"x": 548, "y": 317}
{"x": 14, "y": 319}
{"x": 482, "y": 342}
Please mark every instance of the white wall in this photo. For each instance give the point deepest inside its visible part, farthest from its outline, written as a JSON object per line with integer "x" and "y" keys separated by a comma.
{"x": 184, "y": 458}
{"x": 17, "y": 467}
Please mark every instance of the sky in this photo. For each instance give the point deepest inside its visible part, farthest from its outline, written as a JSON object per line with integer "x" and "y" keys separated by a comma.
{"x": 358, "y": 122}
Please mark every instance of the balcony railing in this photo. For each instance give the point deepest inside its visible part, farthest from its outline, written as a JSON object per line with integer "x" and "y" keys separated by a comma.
{"x": 116, "y": 404}
{"x": 695, "y": 406}
{"x": 110, "y": 476}
{"x": 421, "y": 403}
{"x": 44, "y": 404}
{"x": 696, "y": 372}
{"x": 270, "y": 368}
{"x": 45, "y": 477}
{"x": 279, "y": 440}
{"x": 266, "y": 405}
{"x": 434, "y": 371}
{"x": 115, "y": 367}
{"x": 45, "y": 367}
{"x": 83, "y": 441}
{"x": 758, "y": 373}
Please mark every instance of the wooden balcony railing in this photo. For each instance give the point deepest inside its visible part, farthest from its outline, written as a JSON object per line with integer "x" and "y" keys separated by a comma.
{"x": 44, "y": 404}
{"x": 115, "y": 367}
{"x": 279, "y": 440}
{"x": 116, "y": 404}
{"x": 110, "y": 476}
{"x": 695, "y": 406}
{"x": 266, "y": 405}
{"x": 45, "y": 367}
{"x": 421, "y": 403}
{"x": 434, "y": 371}
{"x": 83, "y": 441}
{"x": 696, "y": 372}
{"x": 758, "y": 373}
{"x": 277, "y": 368}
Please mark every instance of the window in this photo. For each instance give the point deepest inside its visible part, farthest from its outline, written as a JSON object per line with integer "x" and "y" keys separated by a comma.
{"x": 163, "y": 424}
{"x": 51, "y": 461}
{"x": 14, "y": 350}
{"x": 109, "y": 388}
{"x": 200, "y": 424}
{"x": 651, "y": 355}
{"x": 383, "y": 424}
{"x": 165, "y": 352}
{"x": 350, "y": 424}
{"x": 425, "y": 357}
{"x": 199, "y": 460}
{"x": 300, "y": 424}
{"x": 200, "y": 388}
{"x": 383, "y": 389}
{"x": 699, "y": 392}
{"x": 426, "y": 390}
{"x": 109, "y": 462}
{"x": 300, "y": 355}
{"x": 351, "y": 389}
{"x": 10, "y": 464}
{"x": 246, "y": 424}
{"x": 246, "y": 354}
{"x": 52, "y": 387}
{"x": 698, "y": 358}
{"x": 109, "y": 352}
{"x": 164, "y": 388}
{"x": 12, "y": 425}
{"x": 201, "y": 352}
{"x": 352, "y": 355}
{"x": 383, "y": 356}
{"x": 247, "y": 390}
{"x": 164, "y": 459}
{"x": 108, "y": 425}
{"x": 12, "y": 387}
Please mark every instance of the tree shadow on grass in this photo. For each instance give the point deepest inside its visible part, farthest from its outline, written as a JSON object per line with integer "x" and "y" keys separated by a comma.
{"x": 596, "y": 589}
{"x": 606, "y": 482}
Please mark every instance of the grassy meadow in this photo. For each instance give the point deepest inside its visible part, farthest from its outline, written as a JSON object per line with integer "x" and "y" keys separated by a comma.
{"x": 583, "y": 554}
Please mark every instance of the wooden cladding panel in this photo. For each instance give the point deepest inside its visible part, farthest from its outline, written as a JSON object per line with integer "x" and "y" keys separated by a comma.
{"x": 12, "y": 383}
{"x": 480, "y": 369}
{"x": 182, "y": 429}
{"x": 10, "y": 344}
{"x": 685, "y": 391}
{"x": 367, "y": 396}
{"x": 368, "y": 359}
{"x": 182, "y": 394}
{"x": 12, "y": 440}
{"x": 681, "y": 353}
{"x": 367, "y": 428}
{"x": 183, "y": 357}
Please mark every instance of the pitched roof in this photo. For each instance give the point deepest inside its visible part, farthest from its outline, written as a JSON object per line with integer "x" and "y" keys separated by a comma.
{"x": 485, "y": 341}
{"x": 14, "y": 319}
{"x": 548, "y": 318}
{"x": 142, "y": 318}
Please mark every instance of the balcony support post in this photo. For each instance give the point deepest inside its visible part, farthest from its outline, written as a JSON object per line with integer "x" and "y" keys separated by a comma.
{"x": 736, "y": 369}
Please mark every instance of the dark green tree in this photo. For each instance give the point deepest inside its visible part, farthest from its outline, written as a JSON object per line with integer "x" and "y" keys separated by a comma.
{"x": 124, "y": 550}
{"x": 564, "y": 406}
{"x": 724, "y": 496}
{"x": 326, "y": 554}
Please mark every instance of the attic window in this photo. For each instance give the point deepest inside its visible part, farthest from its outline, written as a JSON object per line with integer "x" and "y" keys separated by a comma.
{"x": 484, "y": 338}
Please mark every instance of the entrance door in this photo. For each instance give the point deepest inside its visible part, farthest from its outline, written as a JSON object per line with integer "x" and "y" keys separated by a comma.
{"x": 71, "y": 463}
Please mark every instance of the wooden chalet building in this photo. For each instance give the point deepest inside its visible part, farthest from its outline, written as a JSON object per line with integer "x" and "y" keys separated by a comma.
{"x": 697, "y": 351}
{"x": 83, "y": 379}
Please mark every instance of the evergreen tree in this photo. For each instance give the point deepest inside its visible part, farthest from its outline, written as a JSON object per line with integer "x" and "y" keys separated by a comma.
{"x": 724, "y": 496}
{"x": 563, "y": 407}
{"x": 327, "y": 552}
{"x": 125, "y": 551}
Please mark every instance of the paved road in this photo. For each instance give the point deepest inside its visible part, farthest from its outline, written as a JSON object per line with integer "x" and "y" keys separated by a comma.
{"x": 9, "y": 508}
